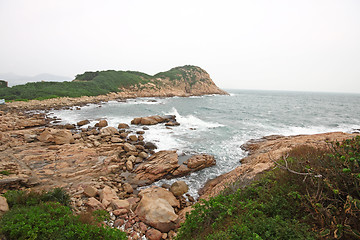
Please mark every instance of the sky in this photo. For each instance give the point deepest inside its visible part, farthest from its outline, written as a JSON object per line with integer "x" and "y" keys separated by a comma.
{"x": 298, "y": 45}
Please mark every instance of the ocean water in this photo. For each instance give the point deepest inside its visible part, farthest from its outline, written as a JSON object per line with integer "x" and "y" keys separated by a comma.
{"x": 219, "y": 125}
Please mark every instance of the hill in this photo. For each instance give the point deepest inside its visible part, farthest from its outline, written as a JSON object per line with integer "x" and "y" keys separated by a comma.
{"x": 178, "y": 81}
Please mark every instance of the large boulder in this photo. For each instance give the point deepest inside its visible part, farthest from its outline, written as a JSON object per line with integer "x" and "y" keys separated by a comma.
{"x": 199, "y": 162}
{"x": 107, "y": 195}
{"x": 57, "y": 136}
{"x": 179, "y": 188}
{"x": 82, "y": 123}
{"x": 159, "y": 192}
{"x": 123, "y": 126}
{"x": 102, "y": 123}
{"x": 157, "y": 166}
{"x": 156, "y": 212}
{"x": 108, "y": 131}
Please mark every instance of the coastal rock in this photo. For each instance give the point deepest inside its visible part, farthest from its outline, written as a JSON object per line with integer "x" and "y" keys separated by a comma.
{"x": 107, "y": 195}
{"x": 57, "y": 136}
{"x": 108, "y": 131}
{"x": 156, "y": 212}
{"x": 102, "y": 123}
{"x": 157, "y": 166}
{"x": 153, "y": 234}
{"x": 94, "y": 204}
{"x": 199, "y": 162}
{"x": 128, "y": 188}
{"x": 159, "y": 192}
{"x": 82, "y": 123}
{"x": 150, "y": 146}
{"x": 120, "y": 204}
{"x": 178, "y": 188}
{"x": 123, "y": 126}
{"x": 90, "y": 191}
{"x": 129, "y": 147}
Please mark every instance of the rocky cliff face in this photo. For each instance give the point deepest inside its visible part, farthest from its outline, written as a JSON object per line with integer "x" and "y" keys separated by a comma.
{"x": 179, "y": 81}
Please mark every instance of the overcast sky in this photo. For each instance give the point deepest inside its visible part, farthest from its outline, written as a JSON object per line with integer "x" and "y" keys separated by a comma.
{"x": 311, "y": 45}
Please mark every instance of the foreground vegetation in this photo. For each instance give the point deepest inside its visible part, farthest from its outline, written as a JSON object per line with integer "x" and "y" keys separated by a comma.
{"x": 91, "y": 84}
{"x": 47, "y": 215}
{"x": 312, "y": 194}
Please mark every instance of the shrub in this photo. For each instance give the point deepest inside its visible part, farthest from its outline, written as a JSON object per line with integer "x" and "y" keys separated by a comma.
{"x": 51, "y": 221}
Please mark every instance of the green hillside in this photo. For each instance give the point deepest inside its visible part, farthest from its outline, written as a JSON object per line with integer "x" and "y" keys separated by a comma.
{"x": 92, "y": 84}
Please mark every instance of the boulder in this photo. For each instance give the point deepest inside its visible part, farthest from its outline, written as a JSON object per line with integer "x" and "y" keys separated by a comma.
{"x": 153, "y": 234}
{"x": 183, "y": 170}
{"x": 179, "y": 188}
{"x": 159, "y": 192}
{"x": 129, "y": 147}
{"x": 148, "y": 121}
{"x": 57, "y": 136}
{"x": 133, "y": 138}
{"x": 108, "y": 131}
{"x": 157, "y": 212}
{"x": 157, "y": 166}
{"x": 150, "y": 146}
{"x": 128, "y": 188}
{"x": 30, "y": 137}
{"x": 198, "y": 162}
{"x": 82, "y": 123}
{"x": 123, "y": 126}
{"x": 90, "y": 191}
{"x": 102, "y": 123}
{"x": 94, "y": 204}
{"x": 107, "y": 195}
{"x": 4, "y": 207}
{"x": 120, "y": 204}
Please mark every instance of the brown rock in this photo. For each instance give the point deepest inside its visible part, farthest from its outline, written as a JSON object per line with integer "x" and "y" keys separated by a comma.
{"x": 94, "y": 204}
{"x": 108, "y": 131}
{"x": 159, "y": 192}
{"x": 82, "y": 123}
{"x": 90, "y": 191}
{"x": 129, "y": 165}
{"x": 136, "y": 121}
{"x": 119, "y": 222}
{"x": 183, "y": 170}
{"x": 102, "y": 123}
{"x": 123, "y": 126}
{"x": 119, "y": 212}
{"x": 153, "y": 234}
{"x": 148, "y": 121}
{"x": 143, "y": 155}
{"x": 107, "y": 194}
{"x": 157, "y": 166}
{"x": 198, "y": 162}
{"x": 157, "y": 212}
{"x": 57, "y": 136}
{"x": 129, "y": 147}
{"x": 128, "y": 188}
{"x": 124, "y": 135}
{"x": 178, "y": 188}
{"x": 120, "y": 204}
{"x": 133, "y": 138}
{"x": 116, "y": 140}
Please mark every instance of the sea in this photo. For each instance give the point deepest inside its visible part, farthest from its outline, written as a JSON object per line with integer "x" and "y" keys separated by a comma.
{"x": 220, "y": 124}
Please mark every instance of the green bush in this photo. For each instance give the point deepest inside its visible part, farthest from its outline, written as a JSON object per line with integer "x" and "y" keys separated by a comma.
{"x": 22, "y": 198}
{"x": 313, "y": 193}
{"x": 51, "y": 221}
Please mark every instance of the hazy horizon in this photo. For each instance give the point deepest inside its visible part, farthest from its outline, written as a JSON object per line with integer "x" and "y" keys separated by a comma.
{"x": 256, "y": 45}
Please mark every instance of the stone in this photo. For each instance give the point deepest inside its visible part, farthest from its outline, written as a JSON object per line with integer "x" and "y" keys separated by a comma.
{"x": 57, "y": 136}
{"x": 159, "y": 192}
{"x": 123, "y": 126}
{"x": 150, "y": 145}
{"x": 30, "y": 137}
{"x": 124, "y": 135}
{"x": 132, "y": 158}
{"x": 153, "y": 234}
{"x": 102, "y": 123}
{"x": 198, "y": 162}
{"x": 119, "y": 222}
{"x": 94, "y": 204}
{"x": 128, "y": 188}
{"x": 4, "y": 207}
{"x": 120, "y": 204}
{"x": 82, "y": 123}
{"x": 116, "y": 140}
{"x": 157, "y": 166}
{"x": 90, "y": 191}
{"x": 148, "y": 121}
{"x": 136, "y": 121}
{"x": 133, "y": 138}
{"x": 183, "y": 170}
{"x": 178, "y": 188}
{"x": 143, "y": 155}
{"x": 108, "y": 131}
{"x": 129, "y": 165}
{"x": 107, "y": 194}
{"x": 140, "y": 132}
{"x": 69, "y": 126}
{"x": 157, "y": 212}
{"x": 129, "y": 147}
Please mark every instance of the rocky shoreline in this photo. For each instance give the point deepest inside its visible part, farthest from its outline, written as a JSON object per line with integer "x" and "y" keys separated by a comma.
{"x": 103, "y": 167}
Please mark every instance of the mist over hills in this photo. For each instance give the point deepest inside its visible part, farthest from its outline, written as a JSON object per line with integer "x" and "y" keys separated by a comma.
{"x": 14, "y": 79}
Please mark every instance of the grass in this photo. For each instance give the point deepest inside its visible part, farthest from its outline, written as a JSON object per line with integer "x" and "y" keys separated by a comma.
{"x": 319, "y": 199}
